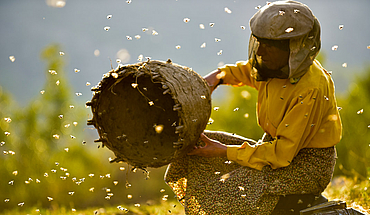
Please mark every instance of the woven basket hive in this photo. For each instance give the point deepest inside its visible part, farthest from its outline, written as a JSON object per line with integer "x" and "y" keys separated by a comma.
{"x": 150, "y": 113}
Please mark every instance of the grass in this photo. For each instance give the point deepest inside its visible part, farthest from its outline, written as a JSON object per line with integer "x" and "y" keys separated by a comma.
{"x": 355, "y": 193}
{"x": 164, "y": 208}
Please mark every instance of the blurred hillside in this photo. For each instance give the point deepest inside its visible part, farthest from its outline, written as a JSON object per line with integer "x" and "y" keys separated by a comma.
{"x": 49, "y": 158}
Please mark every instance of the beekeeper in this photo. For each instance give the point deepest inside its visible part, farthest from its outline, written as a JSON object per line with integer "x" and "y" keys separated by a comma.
{"x": 292, "y": 164}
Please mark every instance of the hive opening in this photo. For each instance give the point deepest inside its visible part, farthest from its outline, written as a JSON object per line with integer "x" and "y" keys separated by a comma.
{"x": 134, "y": 121}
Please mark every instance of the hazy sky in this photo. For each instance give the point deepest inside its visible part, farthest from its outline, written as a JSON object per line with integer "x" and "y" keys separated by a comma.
{"x": 77, "y": 26}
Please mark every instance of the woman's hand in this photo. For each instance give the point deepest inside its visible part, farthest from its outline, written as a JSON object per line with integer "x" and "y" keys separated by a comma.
{"x": 213, "y": 148}
{"x": 214, "y": 79}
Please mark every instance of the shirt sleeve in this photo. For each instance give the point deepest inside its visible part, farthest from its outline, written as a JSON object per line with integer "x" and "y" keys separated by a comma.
{"x": 238, "y": 74}
{"x": 299, "y": 125}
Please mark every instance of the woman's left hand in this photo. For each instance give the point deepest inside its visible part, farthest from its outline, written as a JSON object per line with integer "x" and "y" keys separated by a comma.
{"x": 213, "y": 148}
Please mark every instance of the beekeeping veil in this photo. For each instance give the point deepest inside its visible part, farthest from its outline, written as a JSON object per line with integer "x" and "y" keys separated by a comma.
{"x": 287, "y": 20}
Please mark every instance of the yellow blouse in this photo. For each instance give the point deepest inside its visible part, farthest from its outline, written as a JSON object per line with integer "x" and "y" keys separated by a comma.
{"x": 297, "y": 116}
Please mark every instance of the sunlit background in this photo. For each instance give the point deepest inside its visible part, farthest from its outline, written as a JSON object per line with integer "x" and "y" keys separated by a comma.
{"x": 54, "y": 51}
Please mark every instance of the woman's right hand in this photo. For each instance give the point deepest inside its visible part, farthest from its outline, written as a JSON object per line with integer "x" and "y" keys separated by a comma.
{"x": 214, "y": 79}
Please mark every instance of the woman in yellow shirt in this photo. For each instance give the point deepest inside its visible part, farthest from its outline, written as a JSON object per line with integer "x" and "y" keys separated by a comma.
{"x": 299, "y": 115}
{"x": 293, "y": 163}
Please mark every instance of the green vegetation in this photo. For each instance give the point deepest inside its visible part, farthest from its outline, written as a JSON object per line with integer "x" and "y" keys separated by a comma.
{"x": 49, "y": 157}
{"x": 354, "y": 149}
{"x": 50, "y": 161}
{"x": 164, "y": 208}
{"x": 355, "y": 193}
{"x": 236, "y": 112}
